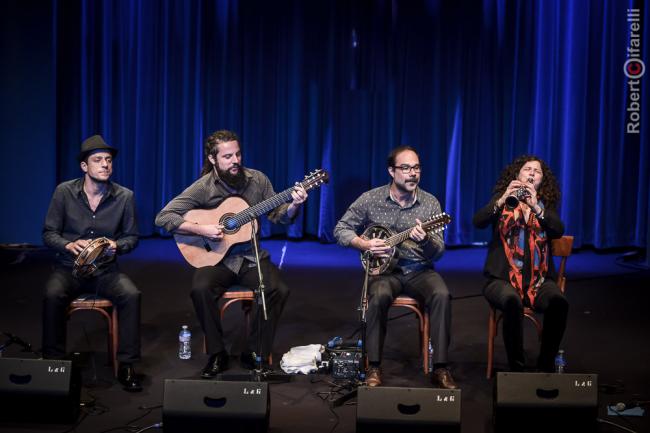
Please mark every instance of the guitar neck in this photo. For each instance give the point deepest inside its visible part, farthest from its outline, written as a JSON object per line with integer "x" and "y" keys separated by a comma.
{"x": 263, "y": 207}
{"x": 313, "y": 180}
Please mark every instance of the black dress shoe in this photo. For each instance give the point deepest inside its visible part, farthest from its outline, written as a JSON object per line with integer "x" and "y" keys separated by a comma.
{"x": 216, "y": 364}
{"x": 373, "y": 376}
{"x": 248, "y": 360}
{"x": 128, "y": 378}
{"x": 442, "y": 378}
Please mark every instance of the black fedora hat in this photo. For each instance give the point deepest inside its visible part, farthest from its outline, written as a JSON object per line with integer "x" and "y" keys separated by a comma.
{"x": 96, "y": 142}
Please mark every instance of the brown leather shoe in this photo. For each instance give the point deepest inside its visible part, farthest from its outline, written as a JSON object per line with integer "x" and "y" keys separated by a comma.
{"x": 373, "y": 376}
{"x": 442, "y": 378}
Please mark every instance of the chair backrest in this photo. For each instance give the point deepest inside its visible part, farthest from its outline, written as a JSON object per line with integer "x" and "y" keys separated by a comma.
{"x": 562, "y": 248}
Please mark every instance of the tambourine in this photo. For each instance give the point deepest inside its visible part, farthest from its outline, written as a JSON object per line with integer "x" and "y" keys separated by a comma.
{"x": 91, "y": 257}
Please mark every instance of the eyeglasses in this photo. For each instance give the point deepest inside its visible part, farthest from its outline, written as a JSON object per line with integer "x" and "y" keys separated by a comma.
{"x": 406, "y": 169}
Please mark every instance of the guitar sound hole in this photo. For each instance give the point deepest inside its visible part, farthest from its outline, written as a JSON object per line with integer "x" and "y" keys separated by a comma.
{"x": 229, "y": 224}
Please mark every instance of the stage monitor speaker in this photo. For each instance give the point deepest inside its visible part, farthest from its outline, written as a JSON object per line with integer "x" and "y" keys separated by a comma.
{"x": 201, "y": 406}
{"x": 387, "y": 409}
{"x": 39, "y": 390}
{"x": 533, "y": 402}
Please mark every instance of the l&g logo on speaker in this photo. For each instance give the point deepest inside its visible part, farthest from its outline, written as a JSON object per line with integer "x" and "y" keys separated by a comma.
{"x": 445, "y": 399}
{"x": 582, "y": 383}
{"x": 252, "y": 391}
{"x": 51, "y": 369}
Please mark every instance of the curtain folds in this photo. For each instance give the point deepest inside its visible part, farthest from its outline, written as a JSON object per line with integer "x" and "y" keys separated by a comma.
{"x": 336, "y": 85}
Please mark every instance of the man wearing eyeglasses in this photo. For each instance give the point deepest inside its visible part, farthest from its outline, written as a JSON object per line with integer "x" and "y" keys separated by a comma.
{"x": 400, "y": 206}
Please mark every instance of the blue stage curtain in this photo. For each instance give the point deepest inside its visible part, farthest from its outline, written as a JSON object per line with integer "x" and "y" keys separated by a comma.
{"x": 337, "y": 84}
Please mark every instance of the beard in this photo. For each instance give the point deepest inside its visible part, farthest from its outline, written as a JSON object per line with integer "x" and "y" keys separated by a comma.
{"x": 235, "y": 181}
{"x": 407, "y": 182}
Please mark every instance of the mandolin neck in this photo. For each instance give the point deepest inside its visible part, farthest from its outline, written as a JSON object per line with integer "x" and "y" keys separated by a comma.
{"x": 400, "y": 237}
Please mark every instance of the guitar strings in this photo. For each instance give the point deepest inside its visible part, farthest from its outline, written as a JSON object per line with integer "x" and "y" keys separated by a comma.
{"x": 247, "y": 215}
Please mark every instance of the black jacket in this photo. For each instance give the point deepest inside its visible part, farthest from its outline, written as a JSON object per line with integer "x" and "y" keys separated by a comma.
{"x": 496, "y": 264}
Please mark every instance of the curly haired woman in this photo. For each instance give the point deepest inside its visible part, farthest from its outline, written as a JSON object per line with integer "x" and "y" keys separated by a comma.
{"x": 519, "y": 265}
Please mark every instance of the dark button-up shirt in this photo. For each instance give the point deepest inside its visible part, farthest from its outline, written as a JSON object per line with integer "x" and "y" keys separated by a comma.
{"x": 378, "y": 207}
{"x": 70, "y": 218}
{"x": 208, "y": 192}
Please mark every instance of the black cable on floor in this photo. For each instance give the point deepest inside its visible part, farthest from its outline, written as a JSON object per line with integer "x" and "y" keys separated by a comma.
{"x": 336, "y": 391}
{"x": 77, "y": 424}
{"x": 157, "y": 425}
{"x": 134, "y": 428}
{"x": 148, "y": 409}
{"x": 604, "y": 421}
{"x": 336, "y": 415}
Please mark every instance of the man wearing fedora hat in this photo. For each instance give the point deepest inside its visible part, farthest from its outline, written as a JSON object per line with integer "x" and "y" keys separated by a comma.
{"x": 82, "y": 210}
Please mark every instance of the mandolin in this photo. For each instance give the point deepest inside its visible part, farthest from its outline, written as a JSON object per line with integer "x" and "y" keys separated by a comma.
{"x": 378, "y": 265}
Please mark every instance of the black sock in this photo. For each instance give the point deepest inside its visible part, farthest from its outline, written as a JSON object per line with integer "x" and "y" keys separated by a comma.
{"x": 438, "y": 365}
{"x": 374, "y": 364}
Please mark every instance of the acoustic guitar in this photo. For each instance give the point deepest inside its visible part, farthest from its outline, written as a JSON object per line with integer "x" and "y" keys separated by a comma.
{"x": 236, "y": 216}
{"x": 378, "y": 265}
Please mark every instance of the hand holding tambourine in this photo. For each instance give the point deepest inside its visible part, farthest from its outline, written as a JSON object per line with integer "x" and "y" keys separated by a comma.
{"x": 97, "y": 252}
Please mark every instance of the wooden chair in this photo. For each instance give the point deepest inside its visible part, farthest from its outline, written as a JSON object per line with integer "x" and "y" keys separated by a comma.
{"x": 232, "y": 296}
{"x": 423, "y": 321}
{"x": 561, "y": 248}
{"x": 105, "y": 308}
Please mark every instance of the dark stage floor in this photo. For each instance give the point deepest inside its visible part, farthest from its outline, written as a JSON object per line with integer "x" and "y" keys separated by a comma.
{"x": 607, "y": 332}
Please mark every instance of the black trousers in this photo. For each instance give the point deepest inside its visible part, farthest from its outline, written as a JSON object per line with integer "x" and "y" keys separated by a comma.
{"x": 61, "y": 288}
{"x": 549, "y": 300}
{"x": 426, "y": 286}
{"x": 210, "y": 283}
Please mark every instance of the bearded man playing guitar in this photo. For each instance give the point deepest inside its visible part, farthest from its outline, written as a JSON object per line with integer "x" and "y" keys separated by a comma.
{"x": 224, "y": 178}
{"x": 401, "y": 206}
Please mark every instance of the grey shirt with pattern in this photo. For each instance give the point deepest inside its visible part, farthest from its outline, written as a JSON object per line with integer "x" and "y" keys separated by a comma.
{"x": 378, "y": 207}
{"x": 208, "y": 192}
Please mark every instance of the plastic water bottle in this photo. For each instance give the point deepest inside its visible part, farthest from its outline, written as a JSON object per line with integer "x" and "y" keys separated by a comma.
{"x": 560, "y": 362}
{"x": 184, "y": 343}
{"x": 430, "y": 356}
{"x": 334, "y": 342}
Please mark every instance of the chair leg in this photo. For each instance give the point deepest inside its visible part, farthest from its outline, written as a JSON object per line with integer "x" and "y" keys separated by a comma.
{"x": 424, "y": 346}
{"x": 492, "y": 331}
{"x": 115, "y": 340}
{"x": 426, "y": 336}
{"x": 422, "y": 317}
{"x": 246, "y": 307}
{"x": 109, "y": 340}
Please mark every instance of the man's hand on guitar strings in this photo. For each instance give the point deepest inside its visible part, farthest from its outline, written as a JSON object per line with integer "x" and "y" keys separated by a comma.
{"x": 377, "y": 247}
{"x": 214, "y": 232}
{"x": 298, "y": 197}
{"x": 418, "y": 234}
